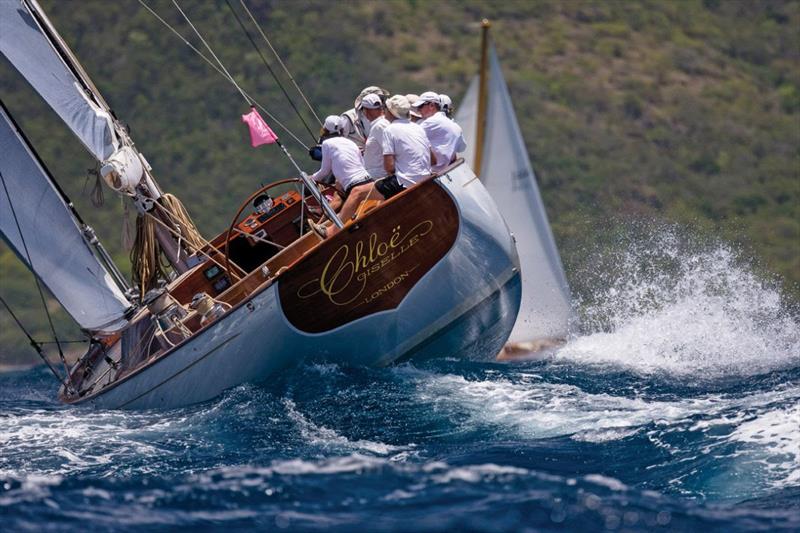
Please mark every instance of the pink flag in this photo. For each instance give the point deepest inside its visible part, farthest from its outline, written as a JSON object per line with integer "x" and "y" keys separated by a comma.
{"x": 260, "y": 132}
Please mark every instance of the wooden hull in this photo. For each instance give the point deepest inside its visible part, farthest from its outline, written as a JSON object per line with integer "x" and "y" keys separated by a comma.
{"x": 432, "y": 272}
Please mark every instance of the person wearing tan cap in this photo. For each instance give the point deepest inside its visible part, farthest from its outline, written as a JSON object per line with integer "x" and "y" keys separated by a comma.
{"x": 445, "y": 135}
{"x": 355, "y": 125}
{"x": 413, "y": 115}
{"x": 407, "y": 153}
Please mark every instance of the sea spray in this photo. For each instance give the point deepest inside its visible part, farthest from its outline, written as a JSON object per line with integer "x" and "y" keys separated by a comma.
{"x": 646, "y": 421}
{"x": 662, "y": 299}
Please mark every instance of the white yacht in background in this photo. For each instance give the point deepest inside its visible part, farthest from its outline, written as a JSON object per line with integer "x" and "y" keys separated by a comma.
{"x": 496, "y": 151}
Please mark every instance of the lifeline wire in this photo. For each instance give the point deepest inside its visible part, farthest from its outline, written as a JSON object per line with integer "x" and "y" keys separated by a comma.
{"x": 269, "y": 68}
{"x": 281, "y": 62}
{"x": 36, "y": 345}
{"x": 221, "y": 73}
{"x": 36, "y": 279}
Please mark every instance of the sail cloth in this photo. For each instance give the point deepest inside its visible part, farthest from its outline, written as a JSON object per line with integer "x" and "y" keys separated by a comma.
{"x": 506, "y": 172}
{"x": 27, "y": 47}
{"x": 59, "y": 254}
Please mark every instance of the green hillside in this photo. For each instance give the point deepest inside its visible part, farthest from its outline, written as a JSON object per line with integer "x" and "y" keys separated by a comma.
{"x": 682, "y": 111}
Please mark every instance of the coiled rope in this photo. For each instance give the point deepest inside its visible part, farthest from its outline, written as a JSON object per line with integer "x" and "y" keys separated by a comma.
{"x": 147, "y": 262}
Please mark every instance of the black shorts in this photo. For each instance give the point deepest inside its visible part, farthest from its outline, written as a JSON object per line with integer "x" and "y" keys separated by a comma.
{"x": 353, "y": 185}
{"x": 389, "y": 186}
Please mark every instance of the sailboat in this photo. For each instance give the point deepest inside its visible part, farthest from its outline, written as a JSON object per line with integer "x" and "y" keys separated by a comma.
{"x": 431, "y": 272}
{"x": 496, "y": 150}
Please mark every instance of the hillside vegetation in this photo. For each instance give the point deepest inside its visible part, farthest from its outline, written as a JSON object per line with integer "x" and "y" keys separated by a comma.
{"x": 683, "y": 111}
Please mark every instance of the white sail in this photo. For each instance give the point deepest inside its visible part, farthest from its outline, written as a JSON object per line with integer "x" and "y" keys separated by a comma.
{"x": 506, "y": 172}
{"x": 28, "y": 47}
{"x": 40, "y": 227}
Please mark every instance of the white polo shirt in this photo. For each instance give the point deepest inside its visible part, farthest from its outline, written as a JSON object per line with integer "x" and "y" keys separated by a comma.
{"x": 342, "y": 158}
{"x": 373, "y": 150}
{"x": 446, "y": 138}
{"x": 411, "y": 149}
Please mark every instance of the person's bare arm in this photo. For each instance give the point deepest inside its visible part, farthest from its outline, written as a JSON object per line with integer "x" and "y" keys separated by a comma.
{"x": 433, "y": 158}
{"x": 388, "y": 164}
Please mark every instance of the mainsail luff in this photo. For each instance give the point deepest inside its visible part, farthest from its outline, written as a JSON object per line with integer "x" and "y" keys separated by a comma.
{"x": 42, "y": 228}
{"x": 546, "y": 311}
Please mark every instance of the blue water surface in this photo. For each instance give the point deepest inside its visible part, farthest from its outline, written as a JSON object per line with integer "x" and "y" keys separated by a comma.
{"x": 676, "y": 408}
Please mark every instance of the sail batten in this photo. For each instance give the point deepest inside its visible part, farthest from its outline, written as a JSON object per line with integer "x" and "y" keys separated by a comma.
{"x": 26, "y": 44}
{"x": 40, "y": 227}
{"x": 507, "y": 173}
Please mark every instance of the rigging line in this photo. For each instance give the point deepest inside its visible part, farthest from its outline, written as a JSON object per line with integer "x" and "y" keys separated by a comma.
{"x": 36, "y": 346}
{"x": 211, "y": 51}
{"x": 35, "y": 277}
{"x": 269, "y": 68}
{"x": 212, "y": 65}
{"x": 281, "y": 62}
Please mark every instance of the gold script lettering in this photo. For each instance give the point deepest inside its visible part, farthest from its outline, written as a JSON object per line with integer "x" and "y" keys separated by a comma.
{"x": 349, "y": 272}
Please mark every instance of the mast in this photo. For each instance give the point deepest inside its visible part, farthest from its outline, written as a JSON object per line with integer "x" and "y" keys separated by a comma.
{"x": 483, "y": 96}
{"x": 120, "y": 133}
{"x": 33, "y": 45}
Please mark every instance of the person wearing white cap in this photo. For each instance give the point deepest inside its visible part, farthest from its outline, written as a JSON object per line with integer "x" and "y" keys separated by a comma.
{"x": 342, "y": 158}
{"x": 407, "y": 154}
{"x": 372, "y": 107}
{"x": 445, "y": 135}
{"x": 447, "y": 105}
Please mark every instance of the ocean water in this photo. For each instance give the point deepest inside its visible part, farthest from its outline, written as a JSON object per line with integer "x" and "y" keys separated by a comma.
{"x": 676, "y": 407}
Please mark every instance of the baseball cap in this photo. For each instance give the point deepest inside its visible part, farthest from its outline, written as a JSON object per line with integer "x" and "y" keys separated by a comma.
{"x": 427, "y": 96}
{"x": 398, "y": 106}
{"x": 333, "y": 124}
{"x": 371, "y": 101}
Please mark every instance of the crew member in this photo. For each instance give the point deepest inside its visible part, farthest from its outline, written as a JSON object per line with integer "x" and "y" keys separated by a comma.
{"x": 447, "y": 105}
{"x": 372, "y": 107}
{"x": 413, "y": 115}
{"x": 445, "y": 135}
{"x": 342, "y": 158}
{"x": 407, "y": 154}
{"x": 355, "y": 125}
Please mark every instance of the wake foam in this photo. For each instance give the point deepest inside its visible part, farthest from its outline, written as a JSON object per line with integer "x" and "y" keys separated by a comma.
{"x": 666, "y": 302}
{"x": 331, "y": 440}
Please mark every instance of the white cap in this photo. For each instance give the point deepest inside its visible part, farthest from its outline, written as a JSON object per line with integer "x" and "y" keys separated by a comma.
{"x": 428, "y": 96}
{"x": 398, "y": 106}
{"x": 445, "y": 101}
{"x": 333, "y": 124}
{"x": 371, "y": 101}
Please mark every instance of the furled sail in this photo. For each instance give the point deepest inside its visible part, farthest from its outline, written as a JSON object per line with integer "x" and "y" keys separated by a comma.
{"x": 37, "y": 223}
{"x": 506, "y": 172}
{"x": 29, "y": 47}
